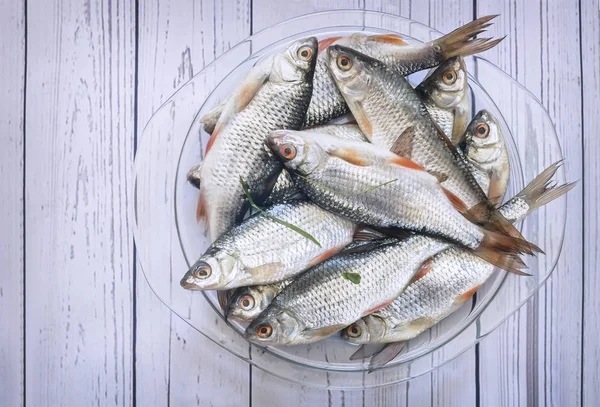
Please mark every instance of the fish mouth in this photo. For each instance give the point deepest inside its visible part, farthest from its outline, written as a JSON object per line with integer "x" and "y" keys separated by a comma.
{"x": 188, "y": 282}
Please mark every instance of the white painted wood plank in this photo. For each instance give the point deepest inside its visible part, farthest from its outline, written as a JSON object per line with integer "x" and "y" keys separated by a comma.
{"x": 175, "y": 364}
{"x": 79, "y": 147}
{"x": 590, "y": 52}
{"x": 12, "y": 73}
{"x": 535, "y": 357}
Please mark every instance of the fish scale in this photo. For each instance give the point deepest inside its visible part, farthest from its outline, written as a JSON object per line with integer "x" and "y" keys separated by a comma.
{"x": 322, "y": 298}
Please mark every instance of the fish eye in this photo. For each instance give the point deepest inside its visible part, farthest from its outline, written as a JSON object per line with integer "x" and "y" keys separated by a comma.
{"x": 305, "y": 53}
{"x": 264, "y": 330}
{"x": 344, "y": 63}
{"x": 288, "y": 151}
{"x": 203, "y": 272}
{"x": 482, "y": 130}
{"x": 449, "y": 77}
{"x": 246, "y": 302}
{"x": 354, "y": 331}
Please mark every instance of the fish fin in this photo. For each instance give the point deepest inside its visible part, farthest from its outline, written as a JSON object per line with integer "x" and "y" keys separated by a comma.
{"x": 363, "y": 234}
{"x": 211, "y": 140}
{"x": 500, "y": 241}
{"x": 496, "y": 189}
{"x": 268, "y": 268}
{"x": 201, "y": 208}
{"x": 403, "y": 144}
{"x": 325, "y": 331}
{"x": 358, "y": 112}
{"x": 324, "y": 43}
{"x": 224, "y": 296}
{"x": 461, "y": 299}
{"x": 362, "y": 248}
{"x": 386, "y": 355}
{"x": 397, "y": 233}
{"x": 366, "y": 352}
{"x": 423, "y": 270}
{"x": 458, "y": 203}
{"x": 327, "y": 254}
{"x": 210, "y": 119}
{"x": 352, "y": 156}
{"x": 193, "y": 177}
{"x": 405, "y": 162}
{"x": 540, "y": 191}
{"x": 393, "y": 39}
{"x": 378, "y": 307}
{"x": 461, "y": 41}
{"x": 506, "y": 261}
{"x": 493, "y": 220}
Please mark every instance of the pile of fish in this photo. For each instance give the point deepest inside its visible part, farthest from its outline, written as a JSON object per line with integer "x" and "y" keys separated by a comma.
{"x": 377, "y": 226}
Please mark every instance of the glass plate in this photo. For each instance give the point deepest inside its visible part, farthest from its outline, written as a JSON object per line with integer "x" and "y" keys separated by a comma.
{"x": 168, "y": 239}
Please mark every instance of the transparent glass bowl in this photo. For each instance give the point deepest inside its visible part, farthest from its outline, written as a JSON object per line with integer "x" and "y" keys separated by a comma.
{"x": 168, "y": 239}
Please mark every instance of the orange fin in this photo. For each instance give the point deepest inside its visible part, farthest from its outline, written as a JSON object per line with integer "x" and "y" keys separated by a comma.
{"x": 403, "y": 144}
{"x": 507, "y": 261}
{"x": 378, "y": 307}
{"x": 211, "y": 140}
{"x": 327, "y": 42}
{"x": 325, "y": 331}
{"x": 458, "y": 203}
{"x": 394, "y": 39}
{"x": 358, "y": 112}
{"x": 405, "y": 162}
{"x": 325, "y": 255}
{"x": 497, "y": 188}
{"x": 423, "y": 270}
{"x": 466, "y": 295}
{"x": 499, "y": 241}
{"x": 269, "y": 269}
{"x": 351, "y": 156}
{"x": 201, "y": 213}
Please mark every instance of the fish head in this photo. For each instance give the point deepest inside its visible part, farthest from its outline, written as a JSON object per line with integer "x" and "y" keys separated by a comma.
{"x": 483, "y": 138}
{"x": 274, "y": 326}
{"x": 299, "y": 151}
{"x": 447, "y": 86}
{"x": 366, "y": 330}
{"x": 351, "y": 70}
{"x": 247, "y": 302}
{"x": 296, "y": 63}
{"x": 215, "y": 270}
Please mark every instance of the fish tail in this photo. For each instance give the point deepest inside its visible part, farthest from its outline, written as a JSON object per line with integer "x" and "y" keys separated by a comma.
{"x": 500, "y": 241}
{"x": 461, "y": 41}
{"x": 386, "y": 355}
{"x": 501, "y": 259}
{"x": 491, "y": 220}
{"x": 542, "y": 190}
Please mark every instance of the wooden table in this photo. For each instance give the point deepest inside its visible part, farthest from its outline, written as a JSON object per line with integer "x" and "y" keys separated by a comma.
{"x": 79, "y": 326}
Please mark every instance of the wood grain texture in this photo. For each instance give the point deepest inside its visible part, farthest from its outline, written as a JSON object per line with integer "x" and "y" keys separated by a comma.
{"x": 590, "y": 82}
{"x": 175, "y": 364}
{"x": 535, "y": 357}
{"x": 79, "y": 146}
{"x": 12, "y": 87}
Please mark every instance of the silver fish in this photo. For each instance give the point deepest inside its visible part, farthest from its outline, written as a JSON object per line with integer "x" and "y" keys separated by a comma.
{"x": 485, "y": 149}
{"x": 263, "y": 251}
{"x": 372, "y": 186}
{"x": 247, "y": 302}
{"x": 444, "y": 282}
{"x": 321, "y": 301}
{"x": 445, "y": 93}
{"x": 402, "y": 58}
{"x": 275, "y": 95}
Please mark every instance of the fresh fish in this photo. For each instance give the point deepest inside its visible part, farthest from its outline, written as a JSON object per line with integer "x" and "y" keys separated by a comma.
{"x": 345, "y": 131}
{"x": 485, "y": 149}
{"x": 274, "y": 95}
{"x": 372, "y": 186}
{"x": 445, "y": 93}
{"x": 444, "y": 282}
{"x": 263, "y": 251}
{"x": 247, "y": 302}
{"x": 391, "y": 114}
{"x": 402, "y": 58}
{"x": 323, "y": 300}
